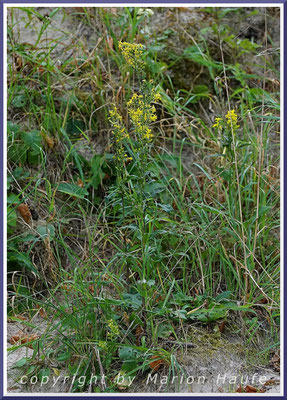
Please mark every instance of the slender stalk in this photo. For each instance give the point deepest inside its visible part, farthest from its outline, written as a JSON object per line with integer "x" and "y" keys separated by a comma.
{"x": 236, "y": 172}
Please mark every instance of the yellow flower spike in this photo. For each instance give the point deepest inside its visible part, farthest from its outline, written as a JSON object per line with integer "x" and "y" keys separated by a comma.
{"x": 157, "y": 97}
{"x": 231, "y": 118}
{"x": 217, "y": 123}
{"x": 133, "y": 54}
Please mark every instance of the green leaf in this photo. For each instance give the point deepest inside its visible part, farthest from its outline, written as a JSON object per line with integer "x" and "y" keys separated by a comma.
{"x": 210, "y": 315}
{"x": 43, "y": 372}
{"x": 13, "y": 199}
{"x": 74, "y": 127}
{"x": 33, "y": 140}
{"x": 11, "y": 217}
{"x": 133, "y": 300}
{"x": 46, "y": 230}
{"x": 248, "y": 45}
{"x": 164, "y": 330}
{"x": 129, "y": 366}
{"x": 200, "y": 89}
{"x": 21, "y": 362}
{"x": 154, "y": 188}
{"x": 31, "y": 369}
{"x": 127, "y": 353}
{"x": 223, "y": 296}
{"x": 165, "y": 207}
{"x": 21, "y": 259}
{"x": 180, "y": 314}
{"x": 73, "y": 190}
{"x": 19, "y": 101}
{"x": 17, "y": 153}
{"x": 64, "y": 356}
{"x": 12, "y": 128}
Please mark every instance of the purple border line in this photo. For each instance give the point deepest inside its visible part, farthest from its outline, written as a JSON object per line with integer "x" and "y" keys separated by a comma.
{"x": 285, "y": 194}
{"x": 204, "y": 2}
{"x": 2, "y": 169}
{"x": 159, "y": 2}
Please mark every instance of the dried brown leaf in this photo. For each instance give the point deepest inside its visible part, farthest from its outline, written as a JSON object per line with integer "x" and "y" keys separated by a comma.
{"x": 25, "y": 213}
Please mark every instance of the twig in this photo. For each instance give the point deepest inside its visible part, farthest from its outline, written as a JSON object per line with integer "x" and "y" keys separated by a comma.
{"x": 103, "y": 383}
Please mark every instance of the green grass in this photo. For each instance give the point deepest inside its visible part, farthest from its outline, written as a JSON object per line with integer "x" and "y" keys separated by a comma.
{"x": 207, "y": 239}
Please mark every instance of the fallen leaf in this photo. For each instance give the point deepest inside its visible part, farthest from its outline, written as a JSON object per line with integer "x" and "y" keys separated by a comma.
{"x": 92, "y": 288}
{"x": 275, "y": 361}
{"x": 250, "y": 389}
{"x": 25, "y": 213}
{"x": 21, "y": 317}
{"x": 271, "y": 382}
{"x": 139, "y": 333}
{"x": 56, "y": 371}
{"x": 18, "y": 62}
{"x": 80, "y": 183}
{"x": 50, "y": 141}
{"x": 42, "y": 312}
{"x": 154, "y": 365}
{"x": 23, "y": 339}
{"x": 221, "y": 327}
{"x": 14, "y": 339}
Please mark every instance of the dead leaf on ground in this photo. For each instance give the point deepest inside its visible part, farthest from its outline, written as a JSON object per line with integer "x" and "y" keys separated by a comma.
{"x": 155, "y": 365}
{"x": 139, "y": 333}
{"x": 250, "y": 389}
{"x": 42, "y": 312}
{"x": 271, "y": 382}
{"x": 23, "y": 339}
{"x": 275, "y": 361}
{"x": 25, "y": 213}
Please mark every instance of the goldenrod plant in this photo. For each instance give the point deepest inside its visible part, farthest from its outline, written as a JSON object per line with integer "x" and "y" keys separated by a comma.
{"x": 226, "y": 128}
{"x": 143, "y": 192}
{"x": 142, "y": 113}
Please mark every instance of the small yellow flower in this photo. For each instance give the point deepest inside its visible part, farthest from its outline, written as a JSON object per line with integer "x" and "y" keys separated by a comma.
{"x": 157, "y": 97}
{"x": 231, "y": 118}
{"x": 114, "y": 329}
{"x": 103, "y": 345}
{"x": 218, "y": 123}
{"x": 133, "y": 54}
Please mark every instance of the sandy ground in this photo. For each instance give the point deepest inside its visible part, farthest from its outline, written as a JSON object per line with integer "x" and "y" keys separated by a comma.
{"x": 214, "y": 365}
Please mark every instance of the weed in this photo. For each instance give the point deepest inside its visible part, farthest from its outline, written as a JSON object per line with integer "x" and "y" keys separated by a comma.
{"x": 143, "y": 201}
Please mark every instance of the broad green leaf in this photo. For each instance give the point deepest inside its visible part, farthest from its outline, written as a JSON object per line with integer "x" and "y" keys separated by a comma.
{"x": 33, "y": 140}
{"x": 73, "y": 190}
{"x": 46, "y": 230}
{"x": 21, "y": 362}
{"x": 20, "y": 101}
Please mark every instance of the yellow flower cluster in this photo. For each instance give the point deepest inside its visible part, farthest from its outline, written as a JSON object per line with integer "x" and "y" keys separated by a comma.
{"x": 217, "y": 123}
{"x": 114, "y": 329}
{"x": 122, "y": 155}
{"x": 133, "y": 54}
{"x": 142, "y": 114}
{"x": 119, "y": 130}
{"x": 155, "y": 95}
{"x": 231, "y": 118}
{"x": 103, "y": 345}
{"x": 120, "y": 133}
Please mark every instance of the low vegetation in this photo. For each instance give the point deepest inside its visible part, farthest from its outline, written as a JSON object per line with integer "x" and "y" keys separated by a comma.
{"x": 139, "y": 206}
